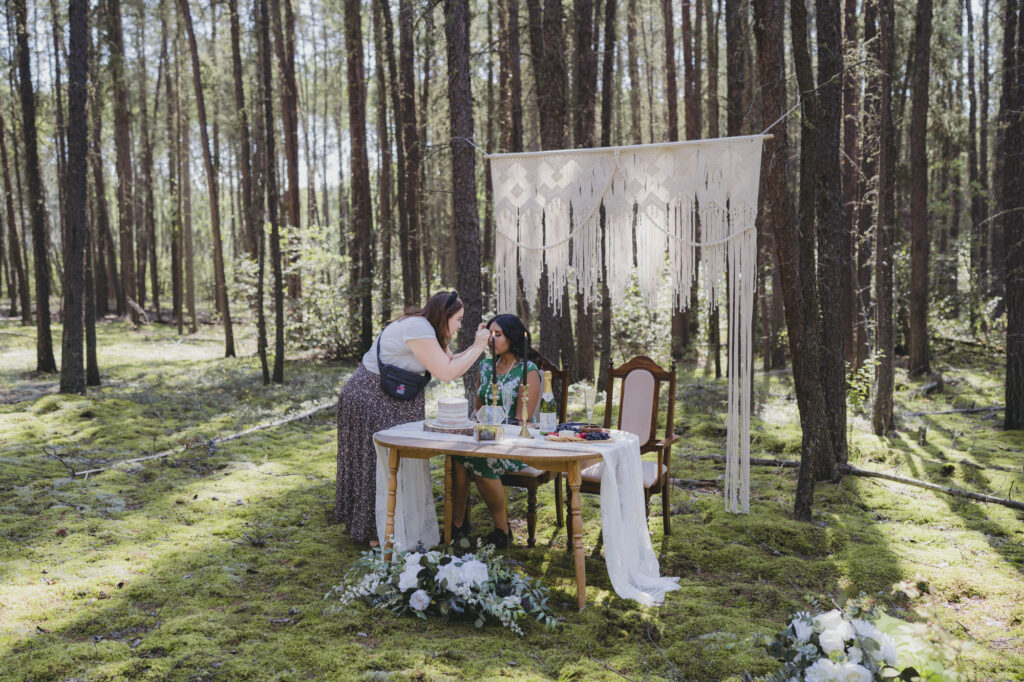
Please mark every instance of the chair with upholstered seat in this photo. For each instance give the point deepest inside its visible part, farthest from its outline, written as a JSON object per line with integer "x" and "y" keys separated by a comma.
{"x": 640, "y": 385}
{"x": 531, "y": 478}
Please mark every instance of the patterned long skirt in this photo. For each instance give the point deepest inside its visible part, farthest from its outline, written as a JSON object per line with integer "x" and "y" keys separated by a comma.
{"x": 364, "y": 409}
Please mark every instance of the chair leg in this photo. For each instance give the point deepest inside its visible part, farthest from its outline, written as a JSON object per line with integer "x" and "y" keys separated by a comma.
{"x": 568, "y": 517}
{"x": 531, "y": 515}
{"x": 666, "y": 518}
{"x": 558, "y": 499}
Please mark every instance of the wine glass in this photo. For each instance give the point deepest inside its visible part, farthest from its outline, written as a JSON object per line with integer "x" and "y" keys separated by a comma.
{"x": 589, "y": 396}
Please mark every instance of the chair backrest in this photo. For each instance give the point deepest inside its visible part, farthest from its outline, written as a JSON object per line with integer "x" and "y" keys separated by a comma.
{"x": 639, "y": 391}
{"x": 559, "y": 381}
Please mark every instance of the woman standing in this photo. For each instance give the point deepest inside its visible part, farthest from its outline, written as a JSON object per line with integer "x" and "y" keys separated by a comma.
{"x": 416, "y": 342}
{"x": 510, "y": 373}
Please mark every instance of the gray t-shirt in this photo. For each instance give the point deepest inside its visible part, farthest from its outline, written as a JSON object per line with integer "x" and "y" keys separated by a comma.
{"x": 393, "y": 347}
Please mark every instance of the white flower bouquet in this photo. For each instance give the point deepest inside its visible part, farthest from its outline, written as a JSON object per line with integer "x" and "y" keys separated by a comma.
{"x": 475, "y": 585}
{"x": 841, "y": 645}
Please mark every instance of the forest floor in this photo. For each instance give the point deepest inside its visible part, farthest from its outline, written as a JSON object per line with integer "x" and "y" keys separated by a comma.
{"x": 213, "y": 563}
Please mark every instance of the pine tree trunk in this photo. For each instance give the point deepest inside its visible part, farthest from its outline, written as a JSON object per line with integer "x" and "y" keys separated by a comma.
{"x": 411, "y": 281}
{"x": 72, "y": 370}
{"x": 264, "y": 193}
{"x": 362, "y": 218}
{"x": 122, "y": 145}
{"x": 919, "y": 229}
{"x": 425, "y": 237}
{"x": 284, "y": 47}
{"x": 147, "y": 236}
{"x": 384, "y": 180}
{"x": 185, "y": 131}
{"x": 850, "y": 182}
{"x": 585, "y": 96}
{"x": 211, "y": 185}
{"x": 833, "y": 228}
{"x": 632, "y": 63}
{"x": 881, "y": 410}
{"x": 464, "y": 208}
{"x": 244, "y": 143}
{"x": 711, "y": 26}
{"x": 23, "y": 293}
{"x": 1013, "y": 221}
{"x": 173, "y": 163}
{"x": 37, "y": 209}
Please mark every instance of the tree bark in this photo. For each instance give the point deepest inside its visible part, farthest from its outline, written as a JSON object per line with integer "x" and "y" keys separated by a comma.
{"x": 607, "y": 97}
{"x": 411, "y": 281}
{"x": 270, "y": 173}
{"x": 881, "y": 410}
{"x": 284, "y": 47}
{"x": 919, "y": 229}
{"x": 37, "y": 210}
{"x": 362, "y": 210}
{"x": 1013, "y": 221}
{"x": 122, "y": 145}
{"x": 173, "y": 163}
{"x": 385, "y": 181}
{"x": 585, "y": 96}
{"x": 833, "y": 228}
{"x": 632, "y": 65}
{"x": 244, "y": 143}
{"x": 72, "y": 370}
{"x": 851, "y": 183}
{"x": 464, "y": 208}
{"x": 211, "y": 185}
{"x": 23, "y": 293}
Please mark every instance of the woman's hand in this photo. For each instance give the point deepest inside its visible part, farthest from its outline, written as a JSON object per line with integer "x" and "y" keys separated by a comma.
{"x": 483, "y": 336}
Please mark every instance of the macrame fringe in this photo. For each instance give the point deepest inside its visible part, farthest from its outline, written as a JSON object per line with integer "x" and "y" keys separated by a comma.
{"x": 547, "y": 207}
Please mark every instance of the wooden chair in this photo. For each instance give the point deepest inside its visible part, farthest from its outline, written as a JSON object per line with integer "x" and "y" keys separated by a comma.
{"x": 531, "y": 478}
{"x": 640, "y": 387}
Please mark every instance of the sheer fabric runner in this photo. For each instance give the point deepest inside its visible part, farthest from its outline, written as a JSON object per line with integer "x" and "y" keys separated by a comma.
{"x": 629, "y": 556}
{"x": 687, "y": 194}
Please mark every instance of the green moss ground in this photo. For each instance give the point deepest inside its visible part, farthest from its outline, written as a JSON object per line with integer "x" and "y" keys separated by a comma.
{"x": 213, "y": 563}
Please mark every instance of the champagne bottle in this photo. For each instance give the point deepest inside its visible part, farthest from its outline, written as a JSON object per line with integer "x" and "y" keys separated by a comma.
{"x": 548, "y": 413}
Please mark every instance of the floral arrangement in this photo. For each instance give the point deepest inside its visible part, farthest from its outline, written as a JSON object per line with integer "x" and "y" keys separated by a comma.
{"x": 858, "y": 642}
{"x": 475, "y": 585}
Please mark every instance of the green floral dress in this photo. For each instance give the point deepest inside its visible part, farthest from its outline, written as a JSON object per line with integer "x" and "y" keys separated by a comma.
{"x": 508, "y": 398}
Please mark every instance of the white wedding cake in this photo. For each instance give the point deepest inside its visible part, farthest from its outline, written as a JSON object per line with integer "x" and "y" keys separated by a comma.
{"x": 452, "y": 411}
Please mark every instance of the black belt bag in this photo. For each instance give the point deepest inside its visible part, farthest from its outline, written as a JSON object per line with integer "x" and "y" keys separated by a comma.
{"x": 399, "y": 383}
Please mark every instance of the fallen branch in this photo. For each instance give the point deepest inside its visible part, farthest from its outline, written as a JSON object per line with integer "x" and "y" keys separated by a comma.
{"x": 216, "y": 441}
{"x": 932, "y": 486}
{"x": 967, "y": 410}
{"x": 846, "y": 468}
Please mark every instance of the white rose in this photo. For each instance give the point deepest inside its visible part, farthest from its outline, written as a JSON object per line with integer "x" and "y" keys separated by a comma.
{"x": 855, "y": 655}
{"x": 852, "y": 672}
{"x": 802, "y": 629}
{"x": 419, "y": 600}
{"x": 823, "y": 670}
{"x": 831, "y": 640}
{"x": 828, "y": 620}
{"x": 474, "y": 573}
{"x": 864, "y": 629}
{"x": 888, "y": 647}
{"x": 447, "y": 572}
{"x": 408, "y": 579}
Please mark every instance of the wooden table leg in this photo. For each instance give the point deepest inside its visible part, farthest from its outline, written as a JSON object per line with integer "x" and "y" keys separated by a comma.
{"x": 389, "y": 527}
{"x": 447, "y": 499}
{"x": 577, "y": 534}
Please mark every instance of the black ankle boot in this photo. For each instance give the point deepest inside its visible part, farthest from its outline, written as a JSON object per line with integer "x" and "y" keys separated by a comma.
{"x": 459, "y": 532}
{"x": 499, "y": 538}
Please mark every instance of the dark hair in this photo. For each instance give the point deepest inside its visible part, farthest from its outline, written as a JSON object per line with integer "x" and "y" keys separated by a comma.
{"x": 438, "y": 310}
{"x": 515, "y": 331}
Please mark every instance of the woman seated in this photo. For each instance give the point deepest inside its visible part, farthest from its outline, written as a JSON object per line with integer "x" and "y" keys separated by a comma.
{"x": 509, "y": 337}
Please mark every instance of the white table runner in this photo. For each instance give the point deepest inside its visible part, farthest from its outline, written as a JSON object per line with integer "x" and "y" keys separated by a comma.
{"x": 629, "y": 556}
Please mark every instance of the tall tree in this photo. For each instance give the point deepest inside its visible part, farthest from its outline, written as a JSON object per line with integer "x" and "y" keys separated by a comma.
{"x": 211, "y": 184}
{"x": 173, "y": 164}
{"x": 833, "y": 229}
{"x": 680, "y": 318}
{"x": 147, "y": 232}
{"x": 1013, "y": 202}
{"x": 547, "y": 42}
{"x": 268, "y": 174}
{"x": 284, "y": 47}
{"x": 711, "y": 28}
{"x": 72, "y": 365}
{"x": 37, "y": 209}
{"x": 607, "y": 94}
{"x": 362, "y": 211}
{"x": 769, "y": 17}
{"x": 885, "y": 211}
{"x": 850, "y": 180}
{"x": 107, "y": 281}
{"x": 409, "y": 242}
{"x": 20, "y": 277}
{"x": 585, "y": 102}
{"x": 919, "y": 231}
{"x": 632, "y": 65}
{"x": 242, "y": 124}
{"x": 122, "y": 145}
{"x": 385, "y": 181}
{"x": 467, "y": 228}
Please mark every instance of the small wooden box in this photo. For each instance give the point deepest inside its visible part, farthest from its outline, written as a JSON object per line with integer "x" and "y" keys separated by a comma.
{"x": 453, "y": 430}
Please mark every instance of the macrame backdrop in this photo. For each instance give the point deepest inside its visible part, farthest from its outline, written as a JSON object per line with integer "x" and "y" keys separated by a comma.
{"x": 542, "y": 200}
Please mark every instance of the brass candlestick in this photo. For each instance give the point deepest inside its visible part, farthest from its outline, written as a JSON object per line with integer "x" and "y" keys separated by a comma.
{"x": 524, "y": 399}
